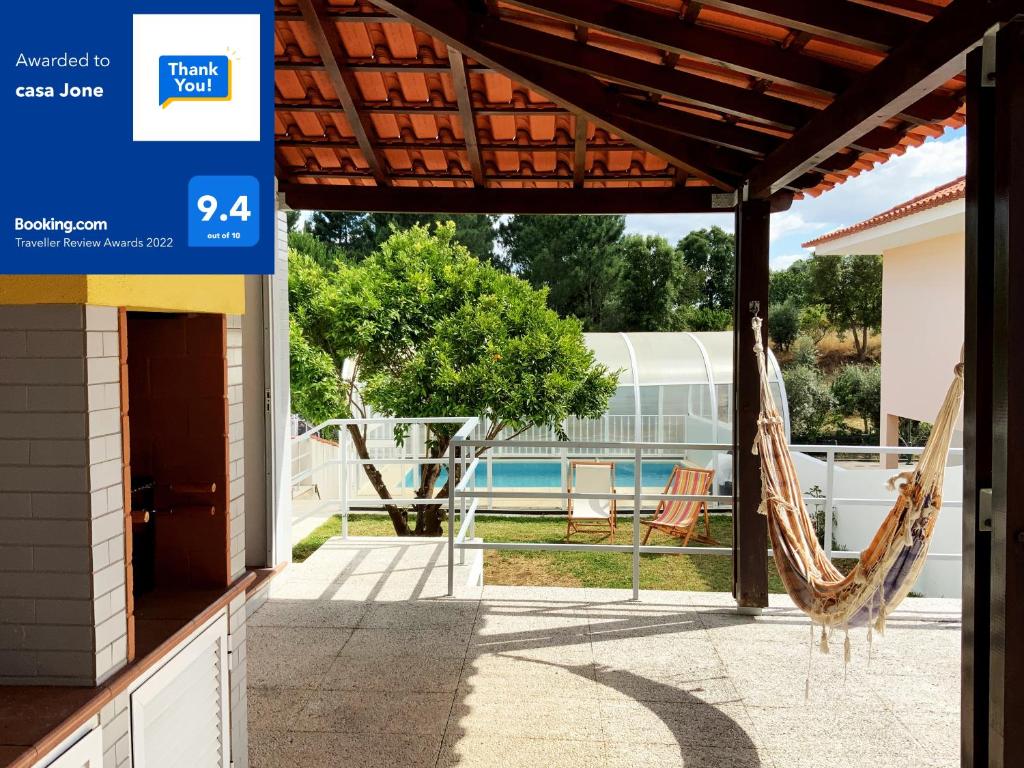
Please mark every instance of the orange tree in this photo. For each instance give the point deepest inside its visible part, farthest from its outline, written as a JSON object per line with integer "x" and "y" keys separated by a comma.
{"x": 421, "y": 328}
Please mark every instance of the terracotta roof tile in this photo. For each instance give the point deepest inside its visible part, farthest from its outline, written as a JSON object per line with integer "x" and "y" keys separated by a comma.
{"x": 406, "y": 87}
{"x": 946, "y": 193}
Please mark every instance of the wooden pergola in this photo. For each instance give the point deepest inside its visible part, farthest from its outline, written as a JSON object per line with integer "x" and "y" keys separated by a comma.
{"x": 642, "y": 106}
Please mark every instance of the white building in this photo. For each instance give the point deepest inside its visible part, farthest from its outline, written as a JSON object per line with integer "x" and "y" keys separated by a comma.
{"x": 922, "y": 247}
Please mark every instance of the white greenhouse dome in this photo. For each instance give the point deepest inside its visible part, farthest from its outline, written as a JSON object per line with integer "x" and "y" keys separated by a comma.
{"x": 675, "y": 387}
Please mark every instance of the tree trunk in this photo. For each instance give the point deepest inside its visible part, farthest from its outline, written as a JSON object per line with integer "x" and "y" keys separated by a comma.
{"x": 399, "y": 517}
{"x": 859, "y": 347}
{"x": 430, "y": 516}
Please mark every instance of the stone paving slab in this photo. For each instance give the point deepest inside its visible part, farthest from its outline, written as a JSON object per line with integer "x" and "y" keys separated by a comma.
{"x": 359, "y": 658}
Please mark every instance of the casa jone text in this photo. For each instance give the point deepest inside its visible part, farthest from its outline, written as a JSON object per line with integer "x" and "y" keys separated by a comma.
{"x": 66, "y": 91}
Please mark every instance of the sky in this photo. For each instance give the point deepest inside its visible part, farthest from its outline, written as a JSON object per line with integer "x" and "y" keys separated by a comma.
{"x": 917, "y": 171}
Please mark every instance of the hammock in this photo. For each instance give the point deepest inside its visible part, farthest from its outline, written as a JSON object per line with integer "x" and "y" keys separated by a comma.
{"x": 889, "y": 566}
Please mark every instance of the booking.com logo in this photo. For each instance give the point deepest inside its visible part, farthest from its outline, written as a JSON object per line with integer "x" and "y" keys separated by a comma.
{"x": 194, "y": 78}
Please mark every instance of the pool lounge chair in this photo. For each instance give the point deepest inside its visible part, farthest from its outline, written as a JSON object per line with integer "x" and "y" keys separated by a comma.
{"x": 591, "y": 514}
{"x": 680, "y": 518}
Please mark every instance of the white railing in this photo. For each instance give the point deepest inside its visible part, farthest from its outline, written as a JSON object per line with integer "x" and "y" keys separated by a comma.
{"x": 389, "y": 454}
{"x": 471, "y": 458}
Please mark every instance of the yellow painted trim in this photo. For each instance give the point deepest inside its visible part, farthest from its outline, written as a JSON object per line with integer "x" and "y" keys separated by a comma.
{"x": 220, "y": 294}
{"x": 223, "y": 294}
{"x": 43, "y": 289}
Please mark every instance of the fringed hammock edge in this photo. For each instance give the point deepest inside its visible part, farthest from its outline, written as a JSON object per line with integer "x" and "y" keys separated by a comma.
{"x": 889, "y": 566}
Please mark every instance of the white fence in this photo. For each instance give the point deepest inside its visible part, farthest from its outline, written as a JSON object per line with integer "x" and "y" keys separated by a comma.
{"x": 331, "y": 475}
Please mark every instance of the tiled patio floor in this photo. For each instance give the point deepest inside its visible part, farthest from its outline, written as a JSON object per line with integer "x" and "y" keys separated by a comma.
{"x": 357, "y": 659}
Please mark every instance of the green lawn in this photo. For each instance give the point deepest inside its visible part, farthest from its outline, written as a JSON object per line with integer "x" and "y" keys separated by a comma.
{"x": 707, "y": 573}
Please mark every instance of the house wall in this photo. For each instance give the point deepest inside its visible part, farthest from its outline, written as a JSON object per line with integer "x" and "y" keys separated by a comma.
{"x": 115, "y": 717}
{"x": 62, "y": 559}
{"x": 922, "y": 327}
{"x": 62, "y": 580}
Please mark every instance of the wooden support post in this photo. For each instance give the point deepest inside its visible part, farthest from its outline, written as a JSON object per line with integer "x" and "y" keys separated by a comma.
{"x": 977, "y": 540}
{"x": 1006, "y": 675}
{"x": 750, "y": 531}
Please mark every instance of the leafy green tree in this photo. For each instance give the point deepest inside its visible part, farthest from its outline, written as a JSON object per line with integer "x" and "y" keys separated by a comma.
{"x": 857, "y": 391}
{"x": 913, "y": 433}
{"x": 322, "y": 252}
{"x": 427, "y": 329}
{"x": 575, "y": 257}
{"x": 653, "y": 285}
{"x": 360, "y": 234}
{"x": 694, "y": 318}
{"x": 292, "y": 219}
{"x": 791, "y": 283}
{"x": 711, "y": 254}
{"x": 784, "y": 322}
{"x": 810, "y": 402}
{"x": 814, "y": 322}
{"x": 850, "y": 288}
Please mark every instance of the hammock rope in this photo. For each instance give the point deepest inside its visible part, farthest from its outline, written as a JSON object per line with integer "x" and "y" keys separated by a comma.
{"x": 891, "y": 563}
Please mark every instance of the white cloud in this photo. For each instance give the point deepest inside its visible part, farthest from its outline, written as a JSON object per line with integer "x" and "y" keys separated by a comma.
{"x": 918, "y": 170}
{"x": 790, "y": 223}
{"x": 785, "y": 262}
{"x": 675, "y": 226}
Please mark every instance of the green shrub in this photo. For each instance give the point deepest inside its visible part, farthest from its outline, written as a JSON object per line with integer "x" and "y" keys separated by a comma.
{"x": 784, "y": 323}
{"x": 814, "y": 322}
{"x": 857, "y": 391}
{"x": 706, "y": 319}
{"x": 810, "y": 402}
{"x": 805, "y": 352}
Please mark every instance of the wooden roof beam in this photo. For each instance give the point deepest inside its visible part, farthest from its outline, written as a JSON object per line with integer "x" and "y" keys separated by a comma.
{"x": 461, "y": 83}
{"x": 584, "y": 95}
{"x": 332, "y": 53}
{"x": 333, "y": 197}
{"x": 628, "y": 70}
{"x": 933, "y": 54}
{"x": 668, "y": 33}
{"x": 579, "y": 161}
{"x": 857, "y": 25}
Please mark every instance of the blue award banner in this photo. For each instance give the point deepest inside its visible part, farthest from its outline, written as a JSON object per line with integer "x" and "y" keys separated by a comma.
{"x": 139, "y": 137}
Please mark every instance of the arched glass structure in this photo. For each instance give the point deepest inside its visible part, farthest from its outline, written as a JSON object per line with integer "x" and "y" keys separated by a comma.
{"x": 673, "y": 387}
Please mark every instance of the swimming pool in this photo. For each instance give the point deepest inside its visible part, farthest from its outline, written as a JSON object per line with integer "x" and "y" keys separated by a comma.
{"x": 547, "y": 474}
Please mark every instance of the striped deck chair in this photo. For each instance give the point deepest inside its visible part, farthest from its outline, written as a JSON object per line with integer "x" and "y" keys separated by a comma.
{"x": 680, "y": 518}
{"x": 591, "y": 514}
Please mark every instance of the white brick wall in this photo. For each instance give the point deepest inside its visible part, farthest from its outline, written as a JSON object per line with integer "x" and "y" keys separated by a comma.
{"x": 45, "y": 556}
{"x": 237, "y": 614}
{"x": 62, "y": 569}
{"x": 106, "y": 490}
{"x": 236, "y": 610}
{"x": 236, "y": 450}
{"x": 115, "y": 719}
{"x": 61, "y": 519}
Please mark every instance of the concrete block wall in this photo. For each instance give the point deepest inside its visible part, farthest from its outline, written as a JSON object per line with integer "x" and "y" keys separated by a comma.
{"x": 61, "y": 545}
{"x": 236, "y": 446}
{"x": 238, "y": 682}
{"x": 115, "y": 720}
{"x": 103, "y": 380}
{"x": 236, "y": 610}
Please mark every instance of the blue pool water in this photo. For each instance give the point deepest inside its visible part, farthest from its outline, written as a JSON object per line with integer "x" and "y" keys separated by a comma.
{"x": 547, "y": 474}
